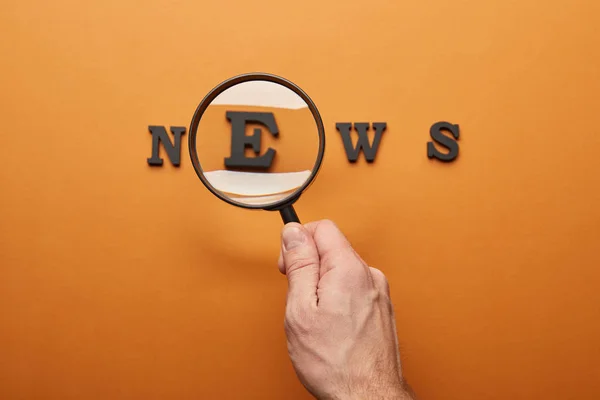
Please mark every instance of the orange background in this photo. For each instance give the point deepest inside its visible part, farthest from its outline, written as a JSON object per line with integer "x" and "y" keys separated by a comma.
{"x": 122, "y": 281}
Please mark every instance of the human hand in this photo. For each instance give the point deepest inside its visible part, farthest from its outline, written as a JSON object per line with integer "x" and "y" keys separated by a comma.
{"x": 339, "y": 319}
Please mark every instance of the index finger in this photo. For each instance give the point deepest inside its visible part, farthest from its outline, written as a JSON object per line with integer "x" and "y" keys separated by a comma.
{"x": 333, "y": 244}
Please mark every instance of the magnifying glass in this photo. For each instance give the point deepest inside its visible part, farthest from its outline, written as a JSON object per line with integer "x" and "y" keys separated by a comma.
{"x": 257, "y": 141}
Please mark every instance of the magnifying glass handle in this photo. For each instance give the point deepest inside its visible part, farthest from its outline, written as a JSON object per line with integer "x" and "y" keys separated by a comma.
{"x": 288, "y": 214}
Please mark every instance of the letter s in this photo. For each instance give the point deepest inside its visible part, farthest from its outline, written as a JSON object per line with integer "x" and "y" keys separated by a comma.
{"x": 436, "y": 134}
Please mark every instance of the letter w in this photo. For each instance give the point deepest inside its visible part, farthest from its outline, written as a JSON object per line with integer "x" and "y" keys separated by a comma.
{"x": 159, "y": 134}
{"x": 370, "y": 150}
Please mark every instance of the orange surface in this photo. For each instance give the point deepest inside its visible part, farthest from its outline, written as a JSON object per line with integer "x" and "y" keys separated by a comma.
{"x": 122, "y": 281}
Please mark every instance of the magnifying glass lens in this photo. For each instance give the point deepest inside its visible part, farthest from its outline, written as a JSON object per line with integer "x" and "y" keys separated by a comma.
{"x": 257, "y": 144}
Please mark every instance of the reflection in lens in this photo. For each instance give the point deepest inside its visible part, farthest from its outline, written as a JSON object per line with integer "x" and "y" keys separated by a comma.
{"x": 257, "y": 143}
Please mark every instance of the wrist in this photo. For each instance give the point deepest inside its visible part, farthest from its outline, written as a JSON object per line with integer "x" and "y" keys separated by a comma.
{"x": 382, "y": 393}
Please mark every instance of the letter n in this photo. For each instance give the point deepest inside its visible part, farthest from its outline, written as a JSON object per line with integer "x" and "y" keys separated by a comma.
{"x": 173, "y": 149}
{"x": 369, "y": 149}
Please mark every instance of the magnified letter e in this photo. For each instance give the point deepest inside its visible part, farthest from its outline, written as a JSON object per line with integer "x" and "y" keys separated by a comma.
{"x": 240, "y": 141}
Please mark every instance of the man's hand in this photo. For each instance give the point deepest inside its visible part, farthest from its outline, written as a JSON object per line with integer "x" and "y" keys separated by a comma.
{"x": 339, "y": 319}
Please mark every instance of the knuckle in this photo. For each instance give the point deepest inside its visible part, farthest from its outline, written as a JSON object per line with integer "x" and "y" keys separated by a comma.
{"x": 380, "y": 280}
{"x": 327, "y": 226}
{"x": 328, "y": 223}
{"x": 298, "y": 261}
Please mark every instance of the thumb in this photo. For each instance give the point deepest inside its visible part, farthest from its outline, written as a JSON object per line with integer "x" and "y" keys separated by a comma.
{"x": 301, "y": 264}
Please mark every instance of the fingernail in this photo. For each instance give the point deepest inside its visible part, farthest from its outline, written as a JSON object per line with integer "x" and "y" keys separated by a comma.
{"x": 292, "y": 237}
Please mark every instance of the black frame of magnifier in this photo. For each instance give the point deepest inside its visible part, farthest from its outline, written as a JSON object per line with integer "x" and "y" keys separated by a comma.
{"x": 285, "y": 206}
